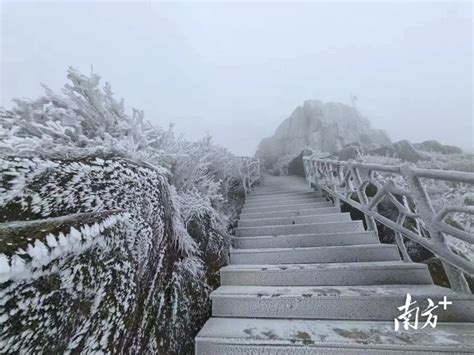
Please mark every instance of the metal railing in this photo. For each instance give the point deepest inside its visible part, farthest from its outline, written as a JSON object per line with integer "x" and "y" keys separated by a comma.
{"x": 404, "y": 188}
{"x": 249, "y": 171}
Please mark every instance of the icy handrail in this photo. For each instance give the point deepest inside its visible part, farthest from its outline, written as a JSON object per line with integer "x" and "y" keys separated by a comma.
{"x": 249, "y": 171}
{"x": 403, "y": 187}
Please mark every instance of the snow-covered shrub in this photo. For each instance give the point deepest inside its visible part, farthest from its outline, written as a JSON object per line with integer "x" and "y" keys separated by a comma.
{"x": 79, "y": 160}
{"x": 85, "y": 120}
{"x": 209, "y": 192}
{"x": 204, "y": 175}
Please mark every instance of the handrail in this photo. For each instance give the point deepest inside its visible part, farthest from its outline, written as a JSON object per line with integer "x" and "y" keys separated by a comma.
{"x": 249, "y": 171}
{"x": 404, "y": 188}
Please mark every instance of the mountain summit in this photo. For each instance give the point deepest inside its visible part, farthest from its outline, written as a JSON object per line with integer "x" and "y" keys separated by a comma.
{"x": 325, "y": 127}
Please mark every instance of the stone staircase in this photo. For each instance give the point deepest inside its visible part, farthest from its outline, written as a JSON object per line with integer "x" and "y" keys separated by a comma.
{"x": 306, "y": 279}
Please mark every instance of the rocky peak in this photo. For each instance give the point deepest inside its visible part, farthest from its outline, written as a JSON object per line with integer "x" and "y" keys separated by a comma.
{"x": 325, "y": 127}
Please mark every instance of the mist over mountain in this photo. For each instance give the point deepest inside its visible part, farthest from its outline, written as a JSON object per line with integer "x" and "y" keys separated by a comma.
{"x": 202, "y": 206}
{"x": 339, "y": 131}
{"x": 325, "y": 127}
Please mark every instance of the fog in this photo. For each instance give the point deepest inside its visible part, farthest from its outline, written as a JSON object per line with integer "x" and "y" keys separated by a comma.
{"x": 236, "y": 70}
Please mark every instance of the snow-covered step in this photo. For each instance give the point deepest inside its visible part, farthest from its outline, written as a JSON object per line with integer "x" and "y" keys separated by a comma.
{"x": 336, "y": 302}
{"x": 350, "y": 226}
{"x": 300, "y": 200}
{"x": 288, "y": 185}
{"x": 306, "y": 240}
{"x": 306, "y": 279}
{"x": 281, "y": 191}
{"x": 239, "y": 336}
{"x": 310, "y": 255}
{"x": 290, "y": 212}
{"x": 333, "y": 217}
{"x": 329, "y": 274}
{"x": 283, "y": 182}
{"x": 286, "y": 196}
{"x": 286, "y": 206}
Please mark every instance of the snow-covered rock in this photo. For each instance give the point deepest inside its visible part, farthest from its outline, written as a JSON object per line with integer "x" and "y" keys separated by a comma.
{"x": 95, "y": 258}
{"x": 437, "y": 147}
{"x": 403, "y": 150}
{"x": 350, "y": 152}
{"x": 325, "y": 127}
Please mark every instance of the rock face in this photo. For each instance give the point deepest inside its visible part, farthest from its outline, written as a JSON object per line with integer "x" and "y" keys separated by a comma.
{"x": 325, "y": 127}
{"x": 296, "y": 166}
{"x": 94, "y": 259}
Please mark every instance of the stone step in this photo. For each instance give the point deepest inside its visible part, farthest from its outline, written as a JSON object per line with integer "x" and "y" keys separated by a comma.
{"x": 333, "y": 217}
{"x": 341, "y": 274}
{"x": 239, "y": 336}
{"x": 337, "y": 302}
{"x": 290, "y": 213}
{"x": 306, "y": 240}
{"x": 305, "y": 279}
{"x": 286, "y": 206}
{"x": 311, "y": 255}
{"x": 285, "y": 202}
{"x": 289, "y": 183}
{"x": 351, "y": 226}
{"x": 284, "y": 183}
{"x": 274, "y": 192}
{"x": 251, "y": 198}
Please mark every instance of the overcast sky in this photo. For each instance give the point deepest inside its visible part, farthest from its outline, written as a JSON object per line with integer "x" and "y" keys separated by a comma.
{"x": 236, "y": 70}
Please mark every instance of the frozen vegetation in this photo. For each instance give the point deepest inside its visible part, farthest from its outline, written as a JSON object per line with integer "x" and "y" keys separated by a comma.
{"x": 112, "y": 229}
